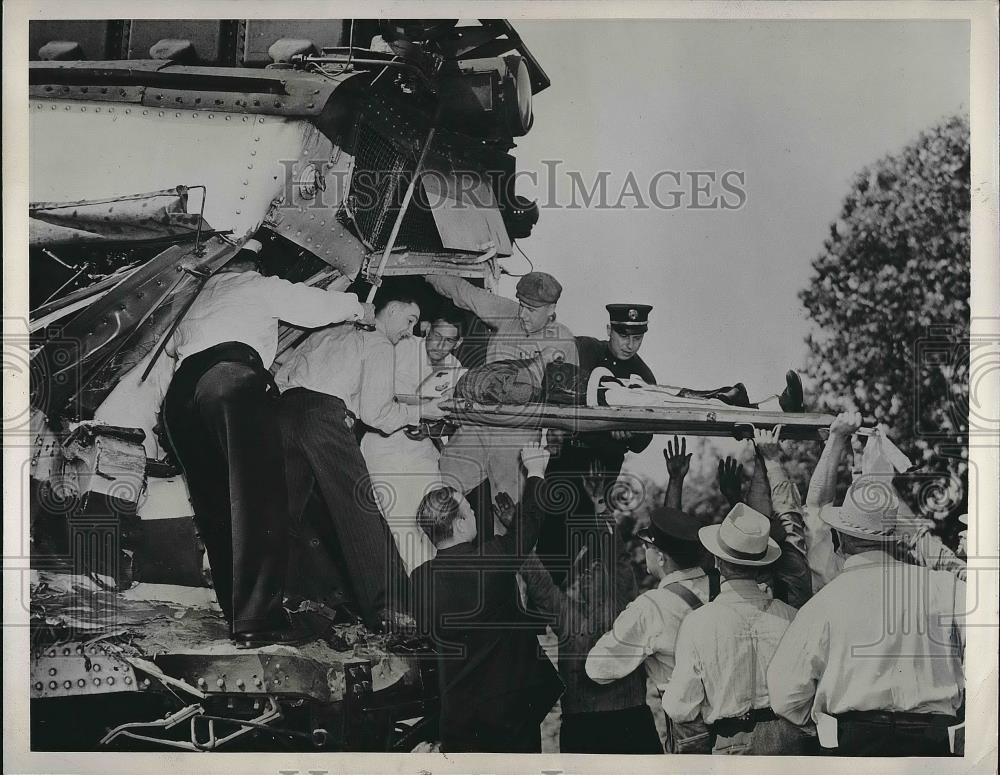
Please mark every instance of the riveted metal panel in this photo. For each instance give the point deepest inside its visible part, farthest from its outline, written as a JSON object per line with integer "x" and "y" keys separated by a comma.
{"x": 72, "y": 669}
{"x": 255, "y": 673}
{"x": 316, "y": 184}
{"x": 129, "y": 94}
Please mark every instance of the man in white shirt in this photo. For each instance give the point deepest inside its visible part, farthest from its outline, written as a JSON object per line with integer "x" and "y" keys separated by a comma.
{"x": 880, "y": 648}
{"x": 645, "y": 633}
{"x": 724, "y": 648}
{"x": 219, "y": 413}
{"x": 334, "y": 378}
{"x": 404, "y": 467}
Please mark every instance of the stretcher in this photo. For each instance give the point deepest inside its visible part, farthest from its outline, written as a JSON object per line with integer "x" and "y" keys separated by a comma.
{"x": 707, "y": 420}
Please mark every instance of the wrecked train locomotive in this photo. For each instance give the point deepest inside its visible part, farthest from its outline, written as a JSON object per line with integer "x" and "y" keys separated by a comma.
{"x": 157, "y": 149}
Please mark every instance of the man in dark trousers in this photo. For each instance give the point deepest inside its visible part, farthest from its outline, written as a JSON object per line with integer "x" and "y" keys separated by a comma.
{"x": 333, "y": 379}
{"x": 496, "y": 684}
{"x": 221, "y": 418}
{"x": 596, "y": 718}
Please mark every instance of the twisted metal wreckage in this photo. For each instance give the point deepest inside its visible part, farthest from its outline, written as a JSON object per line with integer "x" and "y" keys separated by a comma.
{"x": 148, "y": 173}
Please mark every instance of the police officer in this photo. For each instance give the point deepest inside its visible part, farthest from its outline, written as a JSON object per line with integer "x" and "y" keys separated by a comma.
{"x": 596, "y": 454}
{"x": 619, "y": 353}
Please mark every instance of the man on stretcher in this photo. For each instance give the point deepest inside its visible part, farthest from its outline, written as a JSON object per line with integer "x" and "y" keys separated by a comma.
{"x": 614, "y": 366}
{"x": 605, "y": 389}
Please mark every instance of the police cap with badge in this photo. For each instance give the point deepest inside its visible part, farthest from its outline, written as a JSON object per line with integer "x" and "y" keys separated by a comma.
{"x": 629, "y": 319}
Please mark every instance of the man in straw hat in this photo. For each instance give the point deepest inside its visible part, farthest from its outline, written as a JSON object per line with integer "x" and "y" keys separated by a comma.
{"x": 880, "y": 647}
{"x": 645, "y": 633}
{"x": 723, "y": 648}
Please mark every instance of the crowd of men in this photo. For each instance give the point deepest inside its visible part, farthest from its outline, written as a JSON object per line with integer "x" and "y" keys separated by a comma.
{"x": 779, "y": 627}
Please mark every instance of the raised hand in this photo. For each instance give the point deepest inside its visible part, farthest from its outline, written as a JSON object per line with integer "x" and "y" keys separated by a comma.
{"x": 535, "y": 458}
{"x": 731, "y": 480}
{"x": 845, "y": 424}
{"x": 767, "y": 442}
{"x": 504, "y": 509}
{"x": 677, "y": 457}
{"x": 594, "y": 481}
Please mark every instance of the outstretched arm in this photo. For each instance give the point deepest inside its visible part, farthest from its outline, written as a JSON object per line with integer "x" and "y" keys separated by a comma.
{"x": 678, "y": 461}
{"x": 543, "y": 593}
{"x": 493, "y": 310}
{"x": 824, "y": 562}
{"x": 792, "y": 577}
{"x": 520, "y": 539}
{"x": 823, "y": 483}
{"x": 731, "y": 481}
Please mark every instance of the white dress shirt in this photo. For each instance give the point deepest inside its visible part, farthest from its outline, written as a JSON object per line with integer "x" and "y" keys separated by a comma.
{"x": 646, "y": 631}
{"x": 246, "y": 307}
{"x": 723, "y": 651}
{"x": 403, "y": 470}
{"x": 883, "y": 635}
{"x": 355, "y": 366}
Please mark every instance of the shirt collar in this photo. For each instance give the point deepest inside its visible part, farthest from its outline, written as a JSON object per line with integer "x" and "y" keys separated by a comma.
{"x": 744, "y": 588}
{"x": 687, "y": 574}
{"x": 871, "y": 557}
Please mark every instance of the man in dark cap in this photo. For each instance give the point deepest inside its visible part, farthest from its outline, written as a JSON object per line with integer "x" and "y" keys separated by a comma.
{"x": 619, "y": 354}
{"x": 583, "y": 454}
{"x": 522, "y": 329}
{"x": 645, "y": 633}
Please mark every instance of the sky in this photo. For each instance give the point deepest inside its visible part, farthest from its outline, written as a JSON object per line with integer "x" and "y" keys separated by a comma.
{"x": 797, "y": 107}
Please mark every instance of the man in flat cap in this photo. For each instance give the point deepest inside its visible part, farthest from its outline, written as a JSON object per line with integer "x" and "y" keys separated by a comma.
{"x": 522, "y": 329}
{"x": 723, "y": 649}
{"x": 644, "y": 636}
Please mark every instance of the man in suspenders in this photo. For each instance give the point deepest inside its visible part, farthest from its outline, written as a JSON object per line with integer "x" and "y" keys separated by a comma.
{"x": 645, "y": 633}
{"x": 723, "y": 649}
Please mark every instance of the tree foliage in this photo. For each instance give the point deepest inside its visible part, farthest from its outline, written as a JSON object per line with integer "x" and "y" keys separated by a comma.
{"x": 889, "y": 300}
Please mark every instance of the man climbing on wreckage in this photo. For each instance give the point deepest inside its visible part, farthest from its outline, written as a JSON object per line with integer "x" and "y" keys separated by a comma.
{"x": 333, "y": 379}
{"x": 220, "y": 413}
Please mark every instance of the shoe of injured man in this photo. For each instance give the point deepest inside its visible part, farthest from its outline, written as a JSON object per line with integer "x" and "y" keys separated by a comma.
{"x": 791, "y": 398}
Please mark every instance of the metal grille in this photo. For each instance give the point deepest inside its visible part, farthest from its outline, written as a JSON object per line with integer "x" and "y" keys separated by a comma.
{"x": 379, "y": 181}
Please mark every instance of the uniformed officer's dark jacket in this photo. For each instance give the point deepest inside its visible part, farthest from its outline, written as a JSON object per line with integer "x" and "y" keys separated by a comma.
{"x": 597, "y": 352}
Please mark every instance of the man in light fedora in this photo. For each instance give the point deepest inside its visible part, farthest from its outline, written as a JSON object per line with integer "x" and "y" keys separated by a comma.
{"x": 723, "y": 648}
{"x": 880, "y": 647}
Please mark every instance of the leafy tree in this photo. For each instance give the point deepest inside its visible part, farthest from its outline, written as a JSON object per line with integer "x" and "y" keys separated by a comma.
{"x": 890, "y": 304}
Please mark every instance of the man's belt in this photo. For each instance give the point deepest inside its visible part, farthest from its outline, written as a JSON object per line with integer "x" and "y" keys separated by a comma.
{"x": 899, "y": 719}
{"x": 727, "y": 727}
{"x": 350, "y": 419}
